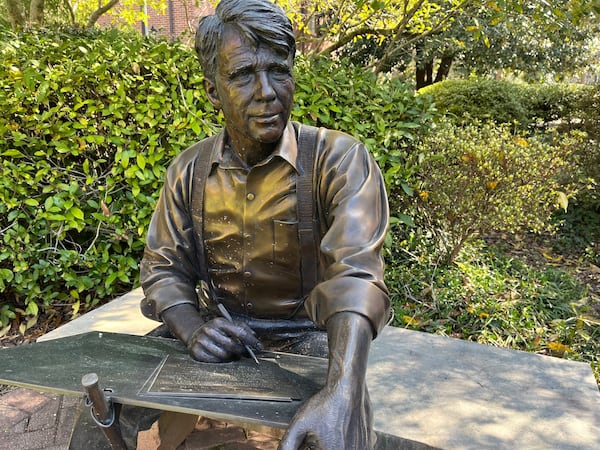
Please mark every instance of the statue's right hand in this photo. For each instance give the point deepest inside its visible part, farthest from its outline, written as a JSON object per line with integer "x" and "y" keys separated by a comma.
{"x": 220, "y": 340}
{"x": 216, "y": 340}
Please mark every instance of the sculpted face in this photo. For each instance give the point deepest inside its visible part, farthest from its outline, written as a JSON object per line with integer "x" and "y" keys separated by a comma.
{"x": 254, "y": 88}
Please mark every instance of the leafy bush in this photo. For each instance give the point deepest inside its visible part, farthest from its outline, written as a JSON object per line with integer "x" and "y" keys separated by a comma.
{"x": 586, "y": 111}
{"x": 480, "y": 99}
{"x": 566, "y": 107}
{"x": 481, "y": 177}
{"x": 90, "y": 122}
{"x": 550, "y": 102}
{"x": 586, "y": 117}
{"x": 504, "y": 101}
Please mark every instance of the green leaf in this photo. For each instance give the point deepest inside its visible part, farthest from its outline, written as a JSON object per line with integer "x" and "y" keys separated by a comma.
{"x": 6, "y": 275}
{"x": 12, "y": 153}
{"x": 32, "y": 309}
{"x": 406, "y": 219}
{"x": 407, "y": 189}
{"x": 141, "y": 161}
{"x": 77, "y": 213}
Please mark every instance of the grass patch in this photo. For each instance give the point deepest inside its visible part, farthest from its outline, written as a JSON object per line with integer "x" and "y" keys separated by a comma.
{"x": 491, "y": 297}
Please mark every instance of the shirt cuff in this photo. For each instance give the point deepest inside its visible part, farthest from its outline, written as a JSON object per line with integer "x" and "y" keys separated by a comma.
{"x": 164, "y": 297}
{"x": 349, "y": 295}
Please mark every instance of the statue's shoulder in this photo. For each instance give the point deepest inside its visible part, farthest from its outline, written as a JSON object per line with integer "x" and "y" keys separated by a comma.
{"x": 339, "y": 138}
{"x": 190, "y": 155}
{"x": 330, "y": 137}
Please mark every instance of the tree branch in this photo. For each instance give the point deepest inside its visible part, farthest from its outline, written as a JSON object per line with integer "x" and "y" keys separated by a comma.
{"x": 352, "y": 35}
{"x": 70, "y": 11}
{"x": 99, "y": 12}
{"x": 392, "y": 49}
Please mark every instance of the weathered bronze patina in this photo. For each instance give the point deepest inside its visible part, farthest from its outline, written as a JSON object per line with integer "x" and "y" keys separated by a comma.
{"x": 244, "y": 246}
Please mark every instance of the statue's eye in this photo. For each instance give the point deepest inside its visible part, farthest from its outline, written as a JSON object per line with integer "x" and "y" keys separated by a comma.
{"x": 280, "y": 71}
{"x": 242, "y": 75}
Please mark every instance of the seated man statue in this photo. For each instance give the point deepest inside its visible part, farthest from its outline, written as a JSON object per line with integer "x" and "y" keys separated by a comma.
{"x": 237, "y": 230}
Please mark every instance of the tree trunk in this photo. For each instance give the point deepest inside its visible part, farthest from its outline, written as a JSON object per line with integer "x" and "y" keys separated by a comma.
{"x": 15, "y": 14}
{"x": 36, "y": 12}
{"x": 444, "y": 68}
{"x": 424, "y": 74}
{"x": 70, "y": 11}
{"x": 420, "y": 77}
{"x": 98, "y": 13}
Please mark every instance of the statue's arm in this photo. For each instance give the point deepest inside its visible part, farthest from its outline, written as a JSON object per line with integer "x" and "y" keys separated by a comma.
{"x": 351, "y": 300}
{"x": 339, "y": 417}
{"x": 169, "y": 267}
{"x": 354, "y": 214}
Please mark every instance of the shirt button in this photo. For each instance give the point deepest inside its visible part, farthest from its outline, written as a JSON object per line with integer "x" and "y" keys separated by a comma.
{"x": 247, "y": 274}
{"x": 250, "y": 196}
{"x": 249, "y": 306}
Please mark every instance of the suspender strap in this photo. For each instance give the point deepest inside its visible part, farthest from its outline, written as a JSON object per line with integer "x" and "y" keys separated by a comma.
{"x": 201, "y": 171}
{"x": 307, "y": 145}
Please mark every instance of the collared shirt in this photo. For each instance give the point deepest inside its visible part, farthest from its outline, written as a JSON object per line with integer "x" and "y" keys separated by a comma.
{"x": 251, "y": 240}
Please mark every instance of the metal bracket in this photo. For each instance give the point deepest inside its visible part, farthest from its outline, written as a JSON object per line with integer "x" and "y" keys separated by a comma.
{"x": 94, "y": 414}
{"x": 102, "y": 411}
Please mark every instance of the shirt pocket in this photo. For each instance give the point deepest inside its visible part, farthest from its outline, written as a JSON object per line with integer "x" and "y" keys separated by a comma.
{"x": 286, "y": 251}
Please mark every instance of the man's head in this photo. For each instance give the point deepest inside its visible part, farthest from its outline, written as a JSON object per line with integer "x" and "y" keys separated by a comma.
{"x": 259, "y": 21}
{"x": 247, "y": 52}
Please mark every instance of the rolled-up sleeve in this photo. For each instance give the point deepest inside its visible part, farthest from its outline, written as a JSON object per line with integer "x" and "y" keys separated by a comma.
{"x": 354, "y": 216}
{"x": 169, "y": 268}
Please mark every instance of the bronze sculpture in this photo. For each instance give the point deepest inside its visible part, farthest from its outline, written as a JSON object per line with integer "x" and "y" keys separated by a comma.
{"x": 327, "y": 301}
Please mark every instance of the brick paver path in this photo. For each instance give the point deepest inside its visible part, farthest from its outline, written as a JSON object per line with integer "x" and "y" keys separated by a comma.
{"x": 31, "y": 420}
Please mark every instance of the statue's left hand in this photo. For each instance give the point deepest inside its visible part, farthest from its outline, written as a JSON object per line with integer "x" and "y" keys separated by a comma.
{"x": 336, "y": 418}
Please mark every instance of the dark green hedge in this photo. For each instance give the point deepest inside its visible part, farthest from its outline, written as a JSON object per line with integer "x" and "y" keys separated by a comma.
{"x": 483, "y": 99}
{"x": 508, "y": 102}
{"x": 90, "y": 122}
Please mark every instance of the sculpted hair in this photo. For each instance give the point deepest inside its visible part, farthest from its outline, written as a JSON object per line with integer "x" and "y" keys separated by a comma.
{"x": 260, "y": 21}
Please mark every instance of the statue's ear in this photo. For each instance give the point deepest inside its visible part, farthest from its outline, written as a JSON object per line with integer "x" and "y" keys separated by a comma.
{"x": 211, "y": 92}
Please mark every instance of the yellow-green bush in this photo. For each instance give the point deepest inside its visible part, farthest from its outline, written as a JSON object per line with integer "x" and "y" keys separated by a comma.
{"x": 481, "y": 177}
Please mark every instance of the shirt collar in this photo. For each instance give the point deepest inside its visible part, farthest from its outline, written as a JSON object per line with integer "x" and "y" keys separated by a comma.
{"x": 287, "y": 149}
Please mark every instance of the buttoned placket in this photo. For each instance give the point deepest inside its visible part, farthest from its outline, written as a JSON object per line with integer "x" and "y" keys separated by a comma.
{"x": 252, "y": 201}
{"x": 248, "y": 238}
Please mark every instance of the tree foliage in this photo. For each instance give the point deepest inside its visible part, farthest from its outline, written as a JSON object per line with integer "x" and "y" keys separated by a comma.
{"x": 385, "y": 34}
{"x": 81, "y": 13}
{"x": 535, "y": 39}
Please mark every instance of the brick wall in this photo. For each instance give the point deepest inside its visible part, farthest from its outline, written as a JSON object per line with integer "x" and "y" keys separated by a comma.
{"x": 178, "y": 21}
{"x": 181, "y": 18}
